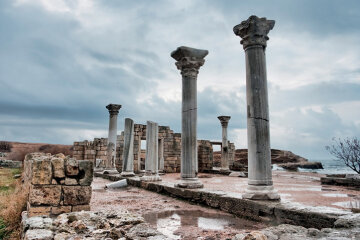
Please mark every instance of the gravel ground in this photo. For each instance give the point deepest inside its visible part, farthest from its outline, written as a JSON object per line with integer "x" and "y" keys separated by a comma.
{"x": 175, "y": 218}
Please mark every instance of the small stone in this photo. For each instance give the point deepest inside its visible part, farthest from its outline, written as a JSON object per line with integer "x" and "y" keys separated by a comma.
{"x": 71, "y": 167}
{"x": 71, "y": 181}
{"x": 53, "y": 182}
{"x": 62, "y": 236}
{"x": 237, "y": 174}
{"x": 255, "y": 235}
{"x": 58, "y": 167}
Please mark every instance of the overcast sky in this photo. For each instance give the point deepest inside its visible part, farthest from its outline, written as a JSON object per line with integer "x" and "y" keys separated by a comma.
{"x": 63, "y": 61}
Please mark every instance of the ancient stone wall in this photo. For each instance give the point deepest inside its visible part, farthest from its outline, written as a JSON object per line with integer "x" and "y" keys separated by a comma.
{"x": 57, "y": 184}
{"x": 96, "y": 150}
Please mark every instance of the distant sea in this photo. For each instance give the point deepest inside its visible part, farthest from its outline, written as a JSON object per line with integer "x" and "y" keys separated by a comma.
{"x": 330, "y": 167}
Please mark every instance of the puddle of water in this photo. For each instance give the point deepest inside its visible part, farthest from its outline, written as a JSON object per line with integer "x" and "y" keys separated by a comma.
{"x": 296, "y": 189}
{"x": 349, "y": 204}
{"x": 170, "y": 223}
{"x": 335, "y": 195}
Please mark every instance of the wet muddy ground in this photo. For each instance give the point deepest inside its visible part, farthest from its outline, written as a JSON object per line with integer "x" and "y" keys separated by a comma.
{"x": 174, "y": 218}
{"x": 294, "y": 187}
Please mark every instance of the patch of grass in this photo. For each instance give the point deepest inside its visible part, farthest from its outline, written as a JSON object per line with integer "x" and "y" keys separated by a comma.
{"x": 13, "y": 197}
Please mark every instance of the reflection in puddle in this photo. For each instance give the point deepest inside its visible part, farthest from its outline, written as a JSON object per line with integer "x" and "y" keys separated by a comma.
{"x": 349, "y": 204}
{"x": 335, "y": 195}
{"x": 170, "y": 223}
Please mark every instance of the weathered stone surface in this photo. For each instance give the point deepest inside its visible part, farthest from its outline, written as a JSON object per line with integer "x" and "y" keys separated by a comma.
{"x": 143, "y": 230}
{"x": 60, "y": 209}
{"x": 39, "y": 234}
{"x": 71, "y": 181}
{"x": 37, "y": 223}
{"x": 45, "y": 195}
{"x": 58, "y": 167}
{"x": 86, "y": 172}
{"x": 237, "y": 174}
{"x": 79, "y": 208}
{"x": 41, "y": 171}
{"x": 60, "y": 155}
{"x": 76, "y": 195}
{"x": 38, "y": 211}
{"x": 306, "y": 165}
{"x": 71, "y": 167}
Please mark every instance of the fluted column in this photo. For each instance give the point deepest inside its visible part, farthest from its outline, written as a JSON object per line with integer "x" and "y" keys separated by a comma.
{"x": 152, "y": 151}
{"x": 111, "y": 146}
{"x": 128, "y": 152}
{"x": 254, "y": 33}
{"x": 224, "y": 120}
{"x": 189, "y": 60}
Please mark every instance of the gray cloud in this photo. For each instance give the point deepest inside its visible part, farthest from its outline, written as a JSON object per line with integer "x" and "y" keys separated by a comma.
{"x": 60, "y": 67}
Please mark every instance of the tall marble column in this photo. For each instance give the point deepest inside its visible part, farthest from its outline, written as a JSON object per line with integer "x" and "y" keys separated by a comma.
{"x": 224, "y": 120}
{"x": 152, "y": 151}
{"x": 111, "y": 146}
{"x": 128, "y": 152}
{"x": 189, "y": 60}
{"x": 254, "y": 33}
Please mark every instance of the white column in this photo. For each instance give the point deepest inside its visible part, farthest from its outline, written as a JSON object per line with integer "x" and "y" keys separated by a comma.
{"x": 224, "y": 120}
{"x": 152, "y": 151}
{"x": 111, "y": 146}
{"x": 128, "y": 152}
{"x": 189, "y": 60}
{"x": 254, "y": 33}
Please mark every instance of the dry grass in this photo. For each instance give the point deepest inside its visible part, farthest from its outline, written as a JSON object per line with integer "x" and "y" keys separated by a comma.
{"x": 13, "y": 198}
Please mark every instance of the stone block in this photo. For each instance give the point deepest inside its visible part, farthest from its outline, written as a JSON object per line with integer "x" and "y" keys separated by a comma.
{"x": 60, "y": 209}
{"x": 71, "y": 167}
{"x": 77, "y": 195}
{"x": 45, "y": 195}
{"x": 79, "y": 208}
{"x": 38, "y": 211}
{"x": 58, "y": 167}
{"x": 41, "y": 171}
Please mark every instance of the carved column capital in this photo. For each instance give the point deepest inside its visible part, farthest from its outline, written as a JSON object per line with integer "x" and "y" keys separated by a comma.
{"x": 254, "y": 31}
{"x": 113, "y": 109}
{"x": 189, "y": 60}
{"x": 224, "y": 120}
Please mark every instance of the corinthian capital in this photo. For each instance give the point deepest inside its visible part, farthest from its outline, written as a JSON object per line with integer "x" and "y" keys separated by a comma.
{"x": 224, "y": 120}
{"x": 254, "y": 31}
{"x": 189, "y": 60}
{"x": 113, "y": 109}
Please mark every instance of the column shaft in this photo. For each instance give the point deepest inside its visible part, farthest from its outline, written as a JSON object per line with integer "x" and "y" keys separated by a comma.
{"x": 189, "y": 124}
{"x": 128, "y": 152}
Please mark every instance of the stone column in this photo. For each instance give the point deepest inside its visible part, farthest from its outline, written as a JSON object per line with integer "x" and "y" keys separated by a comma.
{"x": 189, "y": 60}
{"x": 152, "y": 151}
{"x": 128, "y": 152}
{"x": 161, "y": 155}
{"x": 224, "y": 120}
{"x": 254, "y": 33}
{"x": 111, "y": 145}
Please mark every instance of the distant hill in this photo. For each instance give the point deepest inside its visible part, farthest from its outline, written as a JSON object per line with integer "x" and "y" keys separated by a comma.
{"x": 18, "y": 150}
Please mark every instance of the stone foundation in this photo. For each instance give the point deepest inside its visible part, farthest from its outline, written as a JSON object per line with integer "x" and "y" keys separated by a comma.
{"x": 57, "y": 184}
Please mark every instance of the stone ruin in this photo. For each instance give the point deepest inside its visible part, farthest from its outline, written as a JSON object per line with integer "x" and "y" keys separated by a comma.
{"x": 57, "y": 184}
{"x": 169, "y": 150}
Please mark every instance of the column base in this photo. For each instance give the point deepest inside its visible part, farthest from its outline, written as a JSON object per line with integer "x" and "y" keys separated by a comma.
{"x": 261, "y": 192}
{"x": 127, "y": 174}
{"x": 150, "y": 178}
{"x": 190, "y": 183}
{"x": 110, "y": 171}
